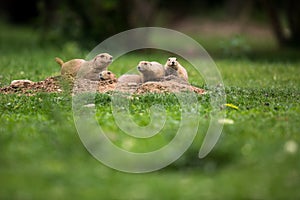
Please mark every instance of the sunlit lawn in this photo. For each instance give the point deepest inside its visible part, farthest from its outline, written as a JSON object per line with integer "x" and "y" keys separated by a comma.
{"x": 42, "y": 157}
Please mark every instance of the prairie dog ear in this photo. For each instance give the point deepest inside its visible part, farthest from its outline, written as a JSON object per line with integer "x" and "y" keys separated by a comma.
{"x": 97, "y": 60}
{"x": 96, "y": 57}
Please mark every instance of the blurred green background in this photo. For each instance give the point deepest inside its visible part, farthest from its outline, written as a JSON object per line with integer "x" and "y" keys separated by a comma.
{"x": 254, "y": 43}
{"x": 90, "y": 21}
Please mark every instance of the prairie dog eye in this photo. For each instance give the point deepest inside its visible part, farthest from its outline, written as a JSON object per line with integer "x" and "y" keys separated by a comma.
{"x": 169, "y": 59}
{"x": 102, "y": 56}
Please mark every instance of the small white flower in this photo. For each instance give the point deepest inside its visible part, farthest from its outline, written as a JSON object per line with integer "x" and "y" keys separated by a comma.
{"x": 291, "y": 147}
{"x": 91, "y": 105}
{"x": 225, "y": 121}
{"x": 128, "y": 144}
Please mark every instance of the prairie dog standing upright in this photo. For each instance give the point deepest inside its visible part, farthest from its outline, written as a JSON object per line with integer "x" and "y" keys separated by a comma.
{"x": 88, "y": 69}
{"x": 151, "y": 71}
{"x": 173, "y": 65}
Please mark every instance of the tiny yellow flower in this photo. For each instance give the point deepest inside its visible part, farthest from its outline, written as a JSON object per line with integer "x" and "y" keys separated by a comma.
{"x": 231, "y": 106}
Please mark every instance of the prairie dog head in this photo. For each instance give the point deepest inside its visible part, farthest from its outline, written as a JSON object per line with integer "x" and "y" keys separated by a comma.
{"x": 151, "y": 71}
{"x": 172, "y": 62}
{"x": 107, "y": 75}
{"x": 144, "y": 66}
{"x": 102, "y": 60}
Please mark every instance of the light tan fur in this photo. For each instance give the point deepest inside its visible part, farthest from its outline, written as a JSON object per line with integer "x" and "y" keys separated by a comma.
{"x": 59, "y": 61}
{"x": 70, "y": 67}
{"x": 151, "y": 71}
{"x": 107, "y": 75}
{"x": 172, "y": 65}
{"x": 87, "y": 69}
{"x": 130, "y": 78}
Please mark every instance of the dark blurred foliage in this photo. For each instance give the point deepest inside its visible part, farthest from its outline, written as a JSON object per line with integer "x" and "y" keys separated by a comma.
{"x": 290, "y": 9}
{"x": 19, "y": 12}
{"x": 94, "y": 20}
{"x": 82, "y": 20}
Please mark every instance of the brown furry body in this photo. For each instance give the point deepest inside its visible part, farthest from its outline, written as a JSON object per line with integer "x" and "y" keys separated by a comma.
{"x": 173, "y": 67}
{"x": 130, "y": 78}
{"x": 86, "y": 69}
{"x": 151, "y": 71}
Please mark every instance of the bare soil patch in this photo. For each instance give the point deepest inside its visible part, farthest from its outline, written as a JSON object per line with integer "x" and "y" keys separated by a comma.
{"x": 58, "y": 84}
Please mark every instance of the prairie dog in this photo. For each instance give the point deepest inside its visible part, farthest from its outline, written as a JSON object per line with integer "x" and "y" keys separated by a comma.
{"x": 70, "y": 67}
{"x": 107, "y": 75}
{"x": 130, "y": 78}
{"x": 88, "y": 69}
{"x": 151, "y": 71}
{"x": 172, "y": 65}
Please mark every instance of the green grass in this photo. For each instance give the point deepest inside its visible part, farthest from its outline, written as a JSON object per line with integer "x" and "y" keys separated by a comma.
{"x": 42, "y": 156}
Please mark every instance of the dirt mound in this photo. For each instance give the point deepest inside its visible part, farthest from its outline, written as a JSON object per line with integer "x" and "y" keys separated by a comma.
{"x": 167, "y": 87}
{"x": 50, "y": 84}
{"x": 169, "y": 84}
{"x": 57, "y": 84}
